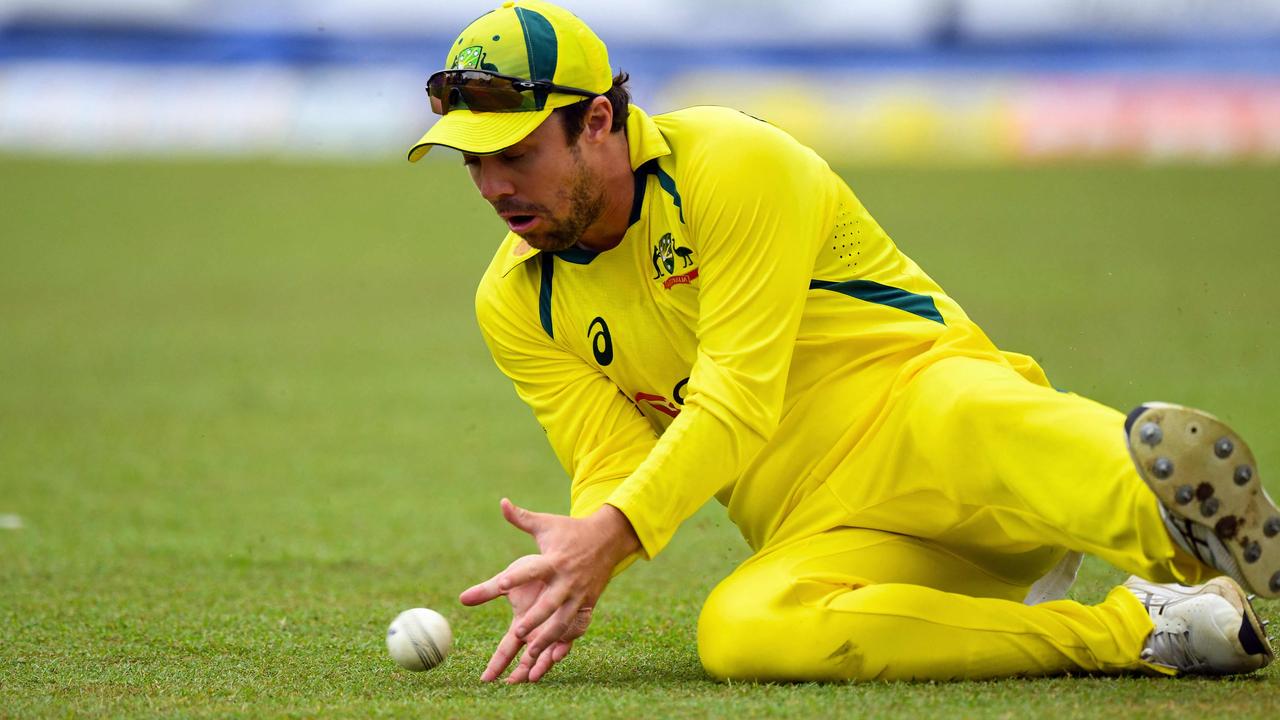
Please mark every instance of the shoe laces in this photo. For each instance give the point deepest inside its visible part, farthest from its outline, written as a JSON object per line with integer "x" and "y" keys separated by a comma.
{"x": 1173, "y": 648}
{"x": 1169, "y": 646}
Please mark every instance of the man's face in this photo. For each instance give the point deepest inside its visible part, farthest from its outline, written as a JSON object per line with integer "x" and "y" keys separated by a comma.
{"x": 542, "y": 187}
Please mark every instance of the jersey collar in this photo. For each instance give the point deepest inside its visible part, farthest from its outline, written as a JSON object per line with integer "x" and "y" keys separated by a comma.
{"x": 514, "y": 252}
{"x": 644, "y": 143}
{"x": 644, "y": 139}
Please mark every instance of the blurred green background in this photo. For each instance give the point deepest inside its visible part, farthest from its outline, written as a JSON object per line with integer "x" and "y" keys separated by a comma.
{"x": 246, "y": 418}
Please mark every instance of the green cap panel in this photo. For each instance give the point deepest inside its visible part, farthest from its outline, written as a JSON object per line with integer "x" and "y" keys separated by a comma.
{"x": 540, "y": 43}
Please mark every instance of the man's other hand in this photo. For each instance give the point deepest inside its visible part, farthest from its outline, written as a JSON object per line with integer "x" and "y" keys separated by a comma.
{"x": 553, "y": 593}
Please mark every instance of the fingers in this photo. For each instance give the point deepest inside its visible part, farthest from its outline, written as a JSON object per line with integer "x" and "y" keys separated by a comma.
{"x": 553, "y": 630}
{"x": 502, "y": 657}
{"x": 552, "y": 600}
{"x": 481, "y": 593}
{"x": 527, "y": 569}
{"x": 547, "y": 648}
{"x": 521, "y": 673}
{"x": 527, "y": 520}
{"x": 560, "y": 650}
{"x": 541, "y": 666}
{"x": 533, "y": 671}
{"x": 530, "y": 667}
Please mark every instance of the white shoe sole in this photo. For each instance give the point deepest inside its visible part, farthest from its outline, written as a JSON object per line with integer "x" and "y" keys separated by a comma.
{"x": 1203, "y": 472}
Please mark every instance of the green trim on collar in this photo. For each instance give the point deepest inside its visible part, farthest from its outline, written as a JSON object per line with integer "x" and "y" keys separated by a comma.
{"x": 577, "y": 255}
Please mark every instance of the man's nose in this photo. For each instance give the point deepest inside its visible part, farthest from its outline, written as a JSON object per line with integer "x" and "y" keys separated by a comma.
{"x": 494, "y": 184}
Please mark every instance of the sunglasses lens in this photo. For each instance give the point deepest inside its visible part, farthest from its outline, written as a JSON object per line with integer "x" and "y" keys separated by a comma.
{"x": 496, "y": 98}
{"x": 476, "y": 91}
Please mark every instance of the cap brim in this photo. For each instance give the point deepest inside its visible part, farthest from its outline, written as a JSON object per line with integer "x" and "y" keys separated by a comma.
{"x": 479, "y": 133}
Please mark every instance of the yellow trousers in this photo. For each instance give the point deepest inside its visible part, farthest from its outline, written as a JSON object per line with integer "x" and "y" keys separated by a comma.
{"x": 913, "y": 558}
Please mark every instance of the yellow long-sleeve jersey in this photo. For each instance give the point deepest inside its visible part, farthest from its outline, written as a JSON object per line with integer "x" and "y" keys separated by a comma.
{"x": 753, "y": 317}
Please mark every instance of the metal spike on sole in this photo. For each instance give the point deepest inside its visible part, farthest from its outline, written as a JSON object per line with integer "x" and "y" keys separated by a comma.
{"x": 1272, "y": 527}
{"x": 1252, "y": 552}
{"x": 1243, "y": 475}
{"x": 1150, "y": 434}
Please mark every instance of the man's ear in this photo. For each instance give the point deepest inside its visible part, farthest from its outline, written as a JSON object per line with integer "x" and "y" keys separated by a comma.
{"x": 599, "y": 120}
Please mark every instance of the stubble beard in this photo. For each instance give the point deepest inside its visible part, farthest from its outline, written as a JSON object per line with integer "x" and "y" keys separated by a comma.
{"x": 586, "y": 205}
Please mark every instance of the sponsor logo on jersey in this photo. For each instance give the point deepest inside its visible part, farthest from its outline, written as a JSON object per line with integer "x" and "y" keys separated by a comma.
{"x": 658, "y": 402}
{"x": 661, "y": 403}
{"x": 664, "y": 257}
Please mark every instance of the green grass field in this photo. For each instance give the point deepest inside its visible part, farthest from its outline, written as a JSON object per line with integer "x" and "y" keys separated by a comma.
{"x": 246, "y": 418}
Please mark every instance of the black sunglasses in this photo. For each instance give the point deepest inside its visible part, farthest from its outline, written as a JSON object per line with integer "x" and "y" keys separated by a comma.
{"x": 483, "y": 91}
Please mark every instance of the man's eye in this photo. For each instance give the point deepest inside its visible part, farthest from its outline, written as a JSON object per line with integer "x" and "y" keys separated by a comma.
{"x": 469, "y": 160}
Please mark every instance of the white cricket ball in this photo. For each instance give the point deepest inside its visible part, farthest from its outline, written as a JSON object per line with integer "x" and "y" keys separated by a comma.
{"x": 419, "y": 639}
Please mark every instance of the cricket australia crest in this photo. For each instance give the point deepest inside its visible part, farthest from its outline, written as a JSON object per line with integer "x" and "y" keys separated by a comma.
{"x": 665, "y": 254}
{"x": 472, "y": 58}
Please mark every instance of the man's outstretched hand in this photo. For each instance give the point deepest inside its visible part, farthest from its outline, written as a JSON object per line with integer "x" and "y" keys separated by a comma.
{"x": 553, "y": 593}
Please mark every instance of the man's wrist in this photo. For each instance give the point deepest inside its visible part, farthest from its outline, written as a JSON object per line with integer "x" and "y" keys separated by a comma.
{"x": 620, "y": 536}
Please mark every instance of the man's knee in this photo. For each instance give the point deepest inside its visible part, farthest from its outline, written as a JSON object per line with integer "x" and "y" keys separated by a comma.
{"x": 730, "y": 630}
{"x": 746, "y": 636}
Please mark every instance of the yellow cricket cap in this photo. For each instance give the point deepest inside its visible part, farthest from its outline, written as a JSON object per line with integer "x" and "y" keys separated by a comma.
{"x": 527, "y": 39}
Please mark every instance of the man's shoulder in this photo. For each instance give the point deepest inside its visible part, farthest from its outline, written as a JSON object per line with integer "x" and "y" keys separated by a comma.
{"x": 709, "y": 118}
{"x": 713, "y": 127}
{"x": 719, "y": 152}
{"x": 714, "y": 138}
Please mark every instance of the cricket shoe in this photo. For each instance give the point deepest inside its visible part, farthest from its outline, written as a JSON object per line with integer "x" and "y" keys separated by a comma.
{"x": 1211, "y": 497}
{"x": 1207, "y": 629}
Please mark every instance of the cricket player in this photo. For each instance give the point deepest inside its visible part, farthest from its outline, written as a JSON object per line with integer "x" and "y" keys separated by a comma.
{"x": 694, "y": 306}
